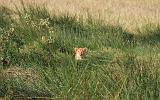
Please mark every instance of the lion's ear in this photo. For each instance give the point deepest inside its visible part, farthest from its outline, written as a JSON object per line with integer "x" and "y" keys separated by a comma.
{"x": 85, "y": 49}
{"x": 75, "y": 49}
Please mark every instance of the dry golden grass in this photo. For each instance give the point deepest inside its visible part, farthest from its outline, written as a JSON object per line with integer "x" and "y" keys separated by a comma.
{"x": 129, "y": 13}
{"x": 14, "y": 72}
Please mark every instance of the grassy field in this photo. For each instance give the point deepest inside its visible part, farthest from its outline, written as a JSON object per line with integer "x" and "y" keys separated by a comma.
{"x": 37, "y": 58}
{"x": 130, "y": 14}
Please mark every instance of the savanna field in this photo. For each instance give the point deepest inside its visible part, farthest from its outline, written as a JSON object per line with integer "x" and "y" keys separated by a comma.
{"x": 38, "y": 37}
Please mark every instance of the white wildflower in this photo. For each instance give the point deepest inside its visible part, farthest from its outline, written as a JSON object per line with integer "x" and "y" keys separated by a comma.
{"x": 44, "y": 22}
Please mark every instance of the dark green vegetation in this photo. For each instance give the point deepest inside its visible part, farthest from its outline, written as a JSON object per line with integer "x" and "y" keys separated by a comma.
{"x": 118, "y": 64}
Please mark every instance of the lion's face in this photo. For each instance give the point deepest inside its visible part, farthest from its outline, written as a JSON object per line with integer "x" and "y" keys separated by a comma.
{"x": 79, "y": 52}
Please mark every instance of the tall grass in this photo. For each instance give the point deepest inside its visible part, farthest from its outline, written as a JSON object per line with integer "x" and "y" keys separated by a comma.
{"x": 130, "y": 14}
{"x": 118, "y": 64}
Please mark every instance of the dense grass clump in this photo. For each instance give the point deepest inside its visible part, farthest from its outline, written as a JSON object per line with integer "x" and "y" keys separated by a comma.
{"x": 37, "y": 58}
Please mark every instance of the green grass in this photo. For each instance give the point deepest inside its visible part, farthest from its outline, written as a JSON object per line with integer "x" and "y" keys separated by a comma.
{"x": 118, "y": 65}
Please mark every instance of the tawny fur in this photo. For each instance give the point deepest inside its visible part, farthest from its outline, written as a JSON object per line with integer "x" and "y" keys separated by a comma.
{"x": 79, "y": 53}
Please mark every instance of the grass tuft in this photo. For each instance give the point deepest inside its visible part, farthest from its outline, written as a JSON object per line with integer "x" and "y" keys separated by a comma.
{"x": 118, "y": 64}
